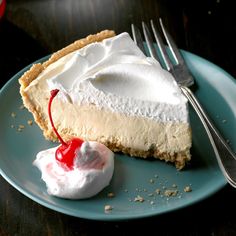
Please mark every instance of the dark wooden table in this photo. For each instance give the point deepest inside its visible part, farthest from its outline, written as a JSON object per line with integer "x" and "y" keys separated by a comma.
{"x": 33, "y": 29}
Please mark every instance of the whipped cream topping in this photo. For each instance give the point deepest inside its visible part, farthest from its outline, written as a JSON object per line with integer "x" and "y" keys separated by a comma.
{"x": 115, "y": 74}
{"x": 93, "y": 170}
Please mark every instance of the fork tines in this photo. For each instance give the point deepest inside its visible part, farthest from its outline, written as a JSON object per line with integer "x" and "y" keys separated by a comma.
{"x": 170, "y": 56}
{"x": 150, "y": 44}
{"x": 161, "y": 44}
{"x": 137, "y": 37}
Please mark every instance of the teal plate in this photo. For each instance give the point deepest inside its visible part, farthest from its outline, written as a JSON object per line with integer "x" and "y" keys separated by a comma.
{"x": 133, "y": 179}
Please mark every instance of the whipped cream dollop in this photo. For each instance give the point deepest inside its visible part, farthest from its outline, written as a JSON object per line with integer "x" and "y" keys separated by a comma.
{"x": 92, "y": 171}
{"x": 115, "y": 74}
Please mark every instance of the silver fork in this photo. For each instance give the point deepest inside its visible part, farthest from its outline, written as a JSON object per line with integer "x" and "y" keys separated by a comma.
{"x": 224, "y": 155}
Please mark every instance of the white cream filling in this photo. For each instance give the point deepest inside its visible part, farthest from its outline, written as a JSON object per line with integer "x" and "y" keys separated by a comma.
{"x": 83, "y": 181}
{"x": 115, "y": 74}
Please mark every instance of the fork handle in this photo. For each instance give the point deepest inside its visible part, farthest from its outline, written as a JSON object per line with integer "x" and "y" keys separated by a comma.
{"x": 225, "y": 156}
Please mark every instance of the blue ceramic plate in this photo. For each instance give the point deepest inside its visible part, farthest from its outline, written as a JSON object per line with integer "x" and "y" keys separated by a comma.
{"x": 133, "y": 178}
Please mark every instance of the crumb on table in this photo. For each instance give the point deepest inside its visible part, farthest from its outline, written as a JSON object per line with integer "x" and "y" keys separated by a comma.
{"x": 139, "y": 199}
{"x": 13, "y": 114}
{"x": 170, "y": 193}
{"x": 20, "y": 128}
{"x": 187, "y": 189}
{"x": 22, "y": 107}
{"x": 30, "y": 122}
{"x": 108, "y": 208}
{"x": 111, "y": 195}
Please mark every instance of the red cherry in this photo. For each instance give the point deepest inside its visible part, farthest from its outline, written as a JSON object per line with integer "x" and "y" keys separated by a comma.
{"x": 65, "y": 153}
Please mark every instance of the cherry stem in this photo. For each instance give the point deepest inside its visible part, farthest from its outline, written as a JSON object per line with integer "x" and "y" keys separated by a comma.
{"x": 53, "y": 95}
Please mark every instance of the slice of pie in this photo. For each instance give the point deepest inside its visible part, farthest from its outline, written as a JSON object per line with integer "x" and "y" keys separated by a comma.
{"x": 112, "y": 93}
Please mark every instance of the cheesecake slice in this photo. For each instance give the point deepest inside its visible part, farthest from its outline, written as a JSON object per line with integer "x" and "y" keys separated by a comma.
{"x": 110, "y": 92}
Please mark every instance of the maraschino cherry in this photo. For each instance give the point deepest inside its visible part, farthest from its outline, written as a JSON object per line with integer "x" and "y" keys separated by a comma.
{"x": 65, "y": 153}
